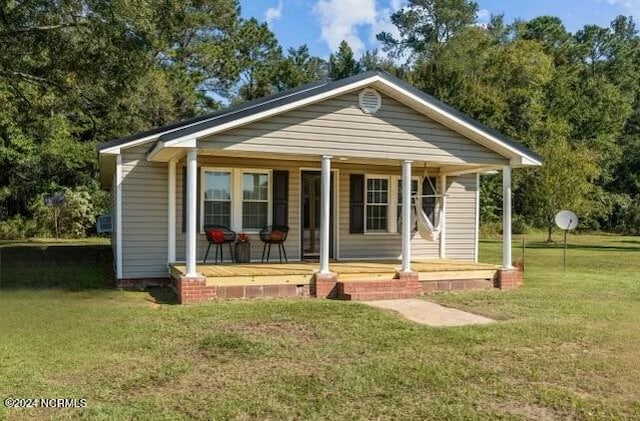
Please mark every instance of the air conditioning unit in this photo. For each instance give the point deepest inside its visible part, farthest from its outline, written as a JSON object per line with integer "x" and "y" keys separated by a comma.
{"x": 104, "y": 223}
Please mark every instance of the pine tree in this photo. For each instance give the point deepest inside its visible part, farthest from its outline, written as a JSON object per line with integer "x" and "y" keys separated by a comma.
{"x": 342, "y": 64}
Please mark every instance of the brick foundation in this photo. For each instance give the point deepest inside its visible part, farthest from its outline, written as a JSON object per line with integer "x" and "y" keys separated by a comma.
{"x": 140, "y": 284}
{"x": 325, "y": 285}
{"x": 509, "y": 278}
{"x": 403, "y": 285}
{"x": 193, "y": 290}
{"x": 263, "y": 291}
{"x": 429, "y": 287}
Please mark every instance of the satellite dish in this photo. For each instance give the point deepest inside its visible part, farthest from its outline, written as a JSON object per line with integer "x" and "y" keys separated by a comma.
{"x": 566, "y": 220}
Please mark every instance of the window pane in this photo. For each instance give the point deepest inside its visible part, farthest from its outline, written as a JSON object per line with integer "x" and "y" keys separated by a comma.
{"x": 217, "y": 185}
{"x": 377, "y": 199}
{"x": 376, "y": 218}
{"x": 254, "y": 215}
{"x": 414, "y": 189}
{"x": 217, "y": 213}
{"x": 377, "y": 190}
{"x": 255, "y": 186}
{"x": 429, "y": 203}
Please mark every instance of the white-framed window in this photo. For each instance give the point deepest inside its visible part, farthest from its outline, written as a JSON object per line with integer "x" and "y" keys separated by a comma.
{"x": 217, "y": 194}
{"x": 415, "y": 188}
{"x": 256, "y": 195}
{"x": 237, "y": 198}
{"x": 376, "y": 204}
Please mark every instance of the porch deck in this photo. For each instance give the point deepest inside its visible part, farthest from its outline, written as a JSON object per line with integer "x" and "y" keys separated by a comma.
{"x": 302, "y": 273}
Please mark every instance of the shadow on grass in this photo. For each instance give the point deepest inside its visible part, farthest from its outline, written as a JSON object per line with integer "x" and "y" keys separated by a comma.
{"x": 71, "y": 267}
{"x": 163, "y": 295}
{"x": 631, "y": 242}
{"x": 544, "y": 245}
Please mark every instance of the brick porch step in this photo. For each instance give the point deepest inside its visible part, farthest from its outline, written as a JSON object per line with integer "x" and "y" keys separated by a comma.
{"x": 378, "y": 289}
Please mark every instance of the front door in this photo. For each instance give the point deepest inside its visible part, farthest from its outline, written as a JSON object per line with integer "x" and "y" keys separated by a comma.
{"x": 310, "y": 235}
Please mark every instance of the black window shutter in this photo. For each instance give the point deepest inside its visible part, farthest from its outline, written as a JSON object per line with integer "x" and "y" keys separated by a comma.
{"x": 184, "y": 200}
{"x": 429, "y": 203}
{"x": 198, "y": 204}
{"x": 356, "y": 203}
{"x": 280, "y": 197}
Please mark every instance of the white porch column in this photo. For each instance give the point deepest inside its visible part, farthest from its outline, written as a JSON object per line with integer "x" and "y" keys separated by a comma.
{"x": 325, "y": 212}
{"x": 171, "y": 213}
{"x": 506, "y": 217}
{"x": 119, "y": 257}
{"x": 192, "y": 186}
{"x": 406, "y": 216}
{"x": 443, "y": 215}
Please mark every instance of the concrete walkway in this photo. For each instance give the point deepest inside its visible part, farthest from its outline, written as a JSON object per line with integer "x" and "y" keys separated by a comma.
{"x": 428, "y": 313}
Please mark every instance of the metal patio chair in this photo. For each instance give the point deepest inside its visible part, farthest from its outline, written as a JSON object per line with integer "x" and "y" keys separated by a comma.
{"x": 274, "y": 234}
{"x": 218, "y": 235}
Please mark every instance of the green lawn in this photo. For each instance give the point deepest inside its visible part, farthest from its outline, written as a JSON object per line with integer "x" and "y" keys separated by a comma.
{"x": 567, "y": 346}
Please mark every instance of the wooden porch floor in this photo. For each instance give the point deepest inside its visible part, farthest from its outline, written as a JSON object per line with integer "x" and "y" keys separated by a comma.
{"x": 300, "y": 273}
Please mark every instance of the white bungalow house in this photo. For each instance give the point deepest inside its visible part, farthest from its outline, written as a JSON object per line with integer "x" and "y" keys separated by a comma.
{"x": 337, "y": 163}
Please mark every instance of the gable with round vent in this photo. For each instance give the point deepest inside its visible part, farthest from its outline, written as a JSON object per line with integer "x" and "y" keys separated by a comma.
{"x": 369, "y": 100}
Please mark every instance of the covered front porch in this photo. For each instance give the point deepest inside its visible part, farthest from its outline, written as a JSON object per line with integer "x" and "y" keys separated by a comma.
{"x": 346, "y": 229}
{"x": 360, "y": 279}
{"x": 347, "y": 260}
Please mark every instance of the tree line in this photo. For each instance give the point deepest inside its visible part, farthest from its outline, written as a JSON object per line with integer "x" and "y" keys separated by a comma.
{"x": 74, "y": 73}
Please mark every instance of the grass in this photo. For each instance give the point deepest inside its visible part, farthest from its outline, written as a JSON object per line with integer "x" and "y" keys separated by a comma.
{"x": 566, "y": 347}
{"x": 48, "y": 263}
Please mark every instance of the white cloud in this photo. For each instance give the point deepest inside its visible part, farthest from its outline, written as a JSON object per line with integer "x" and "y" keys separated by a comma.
{"x": 632, "y": 6}
{"x": 383, "y": 21}
{"x": 483, "y": 16}
{"x": 274, "y": 13}
{"x": 342, "y": 19}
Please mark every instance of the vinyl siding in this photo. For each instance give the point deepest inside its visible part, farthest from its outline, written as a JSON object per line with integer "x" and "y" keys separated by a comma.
{"x": 461, "y": 217}
{"x": 338, "y": 127}
{"x": 144, "y": 215}
{"x": 460, "y": 224}
{"x": 114, "y": 219}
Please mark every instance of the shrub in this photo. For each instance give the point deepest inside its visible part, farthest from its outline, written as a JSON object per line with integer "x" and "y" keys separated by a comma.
{"x": 519, "y": 225}
{"x": 490, "y": 229}
{"x": 494, "y": 229}
{"x": 17, "y": 228}
{"x": 74, "y": 218}
{"x": 629, "y": 222}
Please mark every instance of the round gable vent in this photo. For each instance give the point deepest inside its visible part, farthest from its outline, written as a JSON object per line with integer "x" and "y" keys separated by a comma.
{"x": 370, "y": 100}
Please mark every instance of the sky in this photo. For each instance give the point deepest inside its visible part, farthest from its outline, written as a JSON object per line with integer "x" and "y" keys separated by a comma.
{"x": 322, "y": 24}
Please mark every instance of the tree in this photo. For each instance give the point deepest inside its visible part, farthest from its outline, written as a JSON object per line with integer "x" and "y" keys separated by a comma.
{"x": 373, "y": 60}
{"x": 78, "y": 72}
{"x": 424, "y": 24}
{"x": 342, "y": 63}
{"x": 298, "y": 68}
{"x": 258, "y": 55}
{"x": 565, "y": 181}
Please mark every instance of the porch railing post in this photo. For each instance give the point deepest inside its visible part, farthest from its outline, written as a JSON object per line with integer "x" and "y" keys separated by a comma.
{"x": 192, "y": 183}
{"x": 325, "y": 212}
{"x": 506, "y": 218}
{"x": 406, "y": 216}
